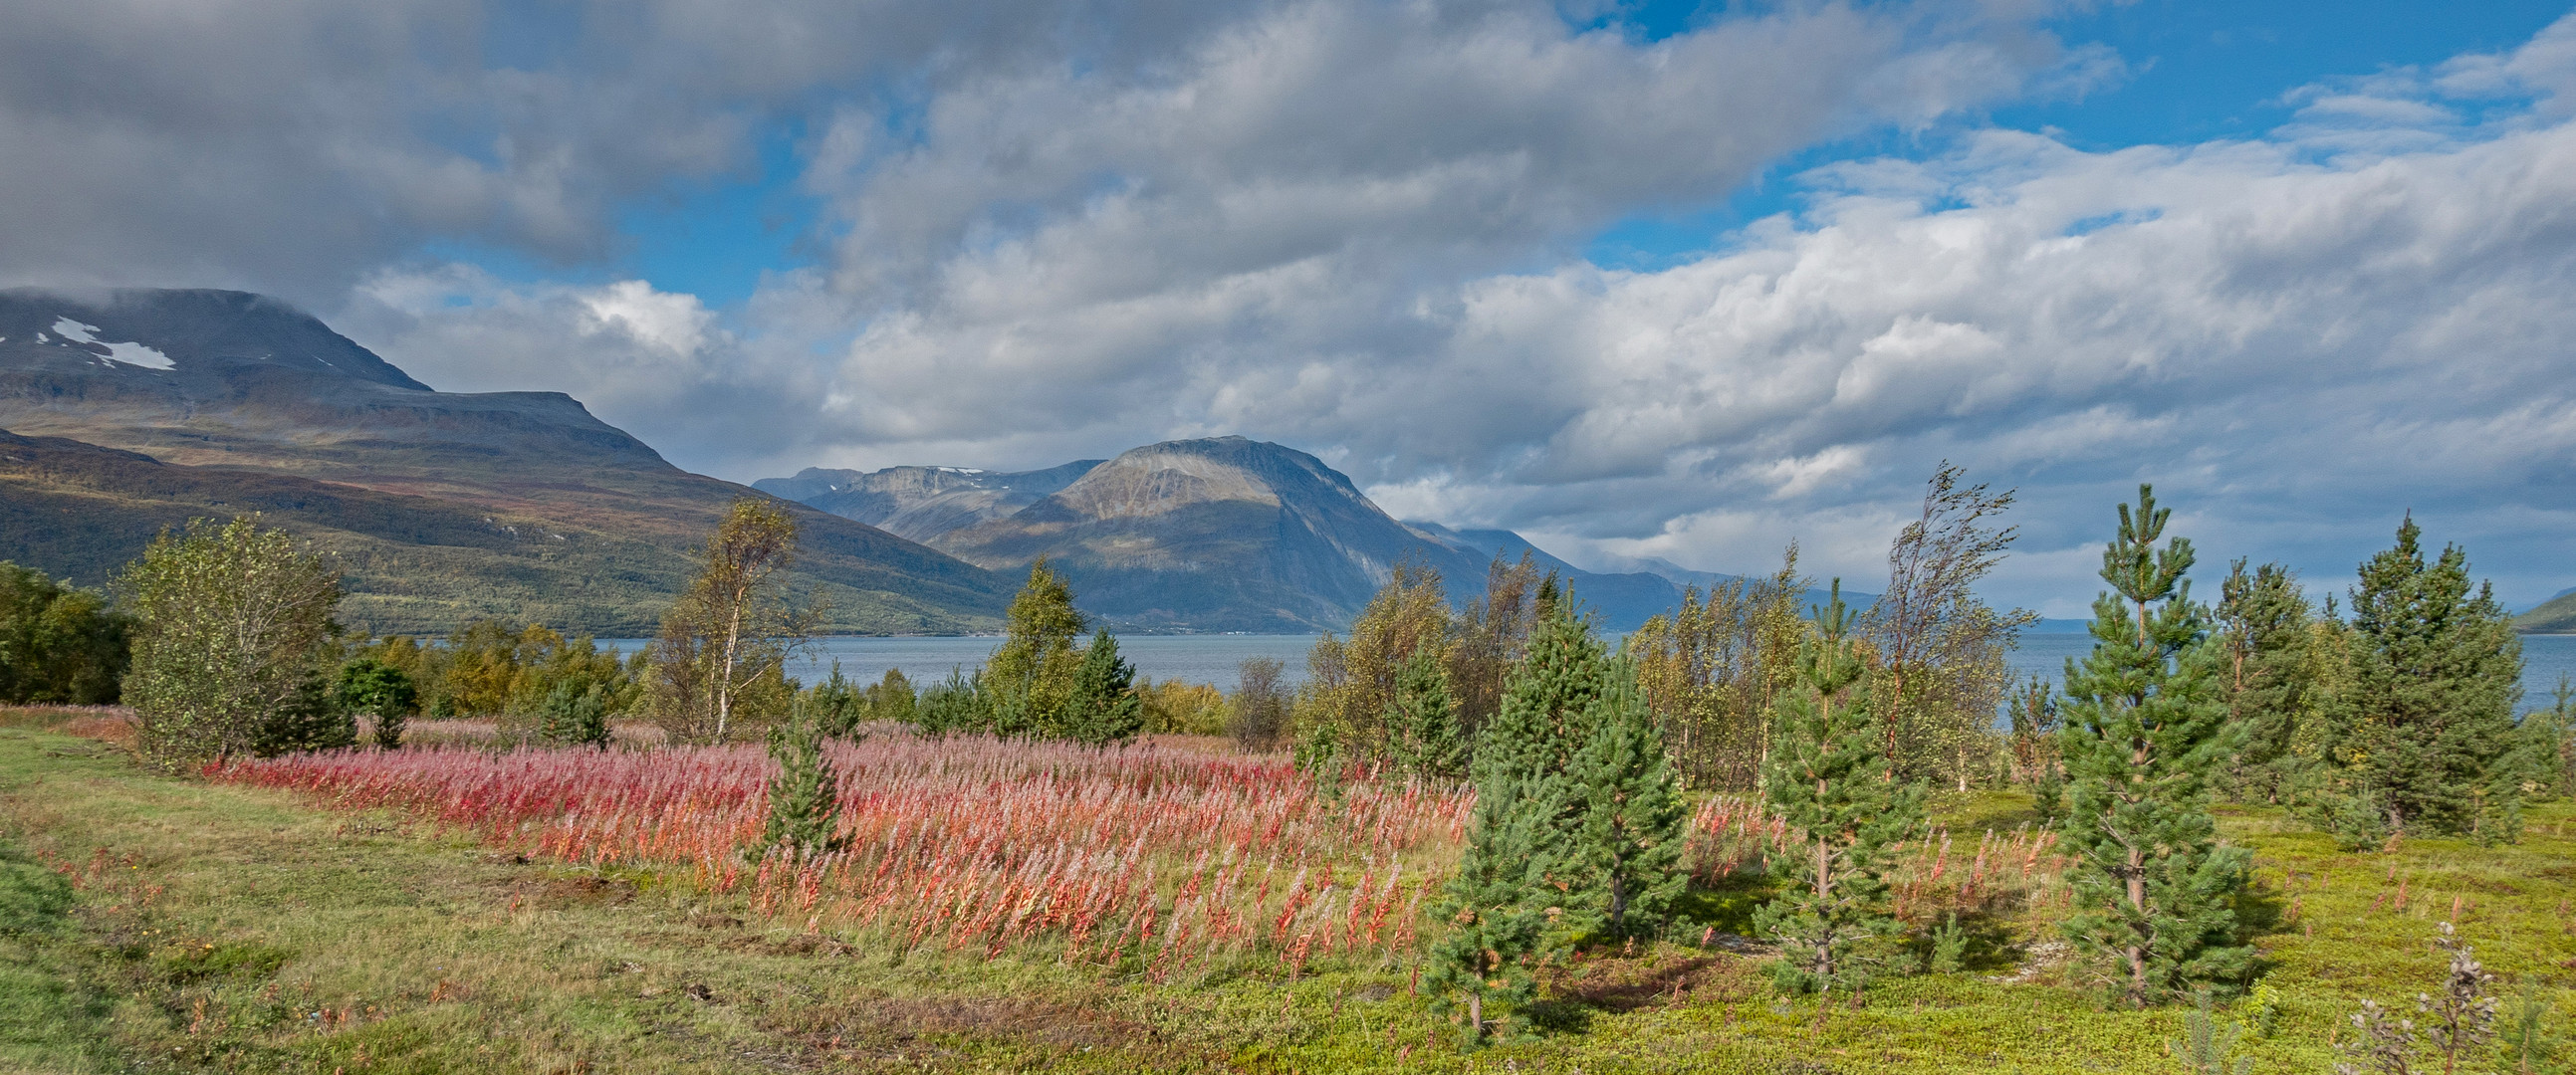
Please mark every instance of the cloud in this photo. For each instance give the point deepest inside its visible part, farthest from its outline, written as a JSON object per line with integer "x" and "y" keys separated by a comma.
{"x": 1053, "y": 230}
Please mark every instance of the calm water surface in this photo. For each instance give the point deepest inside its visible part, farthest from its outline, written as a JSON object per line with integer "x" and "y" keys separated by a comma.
{"x": 1215, "y": 658}
{"x": 2545, "y": 658}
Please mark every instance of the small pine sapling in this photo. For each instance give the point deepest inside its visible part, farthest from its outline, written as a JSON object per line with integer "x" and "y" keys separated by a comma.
{"x": 2155, "y": 892}
{"x": 2205, "y": 1042}
{"x": 575, "y": 713}
{"x": 1480, "y": 966}
{"x": 1829, "y": 779}
{"x": 804, "y": 795}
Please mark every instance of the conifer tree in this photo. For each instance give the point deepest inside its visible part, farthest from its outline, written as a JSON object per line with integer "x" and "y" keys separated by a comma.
{"x": 1530, "y": 744}
{"x": 1030, "y": 675}
{"x": 1829, "y": 778}
{"x": 804, "y": 795}
{"x": 2436, "y": 676}
{"x": 1633, "y": 814}
{"x": 1103, "y": 706}
{"x": 2145, "y": 729}
{"x": 2270, "y": 681}
{"x": 837, "y": 706}
{"x": 1482, "y": 962}
{"x": 575, "y": 713}
{"x": 1423, "y": 723}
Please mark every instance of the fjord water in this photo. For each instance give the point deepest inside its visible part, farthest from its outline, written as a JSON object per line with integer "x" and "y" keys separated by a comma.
{"x": 1215, "y": 658}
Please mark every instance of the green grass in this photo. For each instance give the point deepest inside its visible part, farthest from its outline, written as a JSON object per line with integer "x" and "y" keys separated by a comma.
{"x": 230, "y": 929}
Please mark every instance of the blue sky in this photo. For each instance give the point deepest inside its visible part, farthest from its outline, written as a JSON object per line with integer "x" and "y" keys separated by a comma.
{"x": 1673, "y": 280}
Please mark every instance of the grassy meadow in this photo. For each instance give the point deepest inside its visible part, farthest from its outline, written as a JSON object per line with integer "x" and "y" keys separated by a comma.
{"x": 158, "y": 924}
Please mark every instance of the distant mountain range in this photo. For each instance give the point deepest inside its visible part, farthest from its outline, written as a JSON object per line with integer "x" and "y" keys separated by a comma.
{"x": 129, "y": 411}
{"x": 1221, "y": 534}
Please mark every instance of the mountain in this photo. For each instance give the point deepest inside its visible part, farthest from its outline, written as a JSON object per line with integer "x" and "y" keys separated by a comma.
{"x": 921, "y": 503}
{"x": 1223, "y": 534}
{"x": 2556, "y": 616}
{"x": 130, "y": 410}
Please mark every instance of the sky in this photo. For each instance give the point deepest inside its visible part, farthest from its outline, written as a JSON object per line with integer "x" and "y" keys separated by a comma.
{"x": 1675, "y": 280}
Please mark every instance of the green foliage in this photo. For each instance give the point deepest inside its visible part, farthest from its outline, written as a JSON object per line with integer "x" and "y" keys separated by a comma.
{"x": 1349, "y": 697}
{"x": 1102, "y": 707}
{"x": 890, "y": 698}
{"x": 2033, "y": 743}
{"x": 1174, "y": 706}
{"x": 1711, "y": 668}
{"x": 1031, "y": 675}
{"x": 2545, "y": 746}
{"x": 1424, "y": 740}
{"x": 804, "y": 795}
{"x": 311, "y": 718}
{"x": 2154, "y": 892}
{"x": 1829, "y": 778}
{"x": 1479, "y": 967}
{"x": 958, "y": 705}
{"x": 838, "y": 707}
{"x": 2267, "y": 639}
{"x": 2205, "y": 1043}
{"x": 369, "y": 685}
{"x": 1631, "y": 842}
{"x": 1949, "y": 946}
{"x": 2428, "y": 721}
{"x": 2531, "y": 1045}
{"x": 575, "y": 713}
{"x": 719, "y": 662}
{"x": 59, "y": 644}
{"x": 233, "y": 624}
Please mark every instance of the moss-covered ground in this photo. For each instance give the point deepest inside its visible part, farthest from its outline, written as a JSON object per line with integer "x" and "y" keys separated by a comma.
{"x": 152, "y": 924}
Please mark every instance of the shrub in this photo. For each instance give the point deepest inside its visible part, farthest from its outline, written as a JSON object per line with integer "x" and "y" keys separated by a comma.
{"x": 231, "y": 627}
{"x": 59, "y": 644}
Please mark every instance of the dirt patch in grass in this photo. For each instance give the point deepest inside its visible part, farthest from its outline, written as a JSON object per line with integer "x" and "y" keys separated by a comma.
{"x": 560, "y": 892}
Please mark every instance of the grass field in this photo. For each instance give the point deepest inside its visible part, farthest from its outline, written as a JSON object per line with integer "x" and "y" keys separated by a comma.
{"x": 151, "y": 924}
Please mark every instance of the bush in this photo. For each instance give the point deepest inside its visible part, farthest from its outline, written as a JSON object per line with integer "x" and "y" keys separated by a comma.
{"x": 1259, "y": 710}
{"x": 232, "y": 628}
{"x": 311, "y": 718}
{"x": 370, "y": 686}
{"x": 59, "y": 644}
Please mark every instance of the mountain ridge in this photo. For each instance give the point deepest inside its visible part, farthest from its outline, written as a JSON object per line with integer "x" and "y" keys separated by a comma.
{"x": 228, "y": 394}
{"x": 1215, "y": 534}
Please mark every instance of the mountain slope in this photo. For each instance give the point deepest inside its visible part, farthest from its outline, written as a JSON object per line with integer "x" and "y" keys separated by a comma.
{"x": 217, "y": 399}
{"x": 1230, "y": 534}
{"x": 921, "y": 503}
{"x": 2556, "y": 616}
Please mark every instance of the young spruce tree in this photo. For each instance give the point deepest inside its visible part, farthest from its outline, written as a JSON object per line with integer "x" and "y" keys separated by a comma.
{"x": 1530, "y": 744}
{"x": 804, "y": 795}
{"x": 2428, "y": 717}
{"x": 1422, "y": 721}
{"x": 1480, "y": 967}
{"x": 2145, "y": 729}
{"x": 1828, "y": 776}
{"x": 1633, "y": 814}
{"x": 2266, "y": 633}
{"x": 1103, "y": 706}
